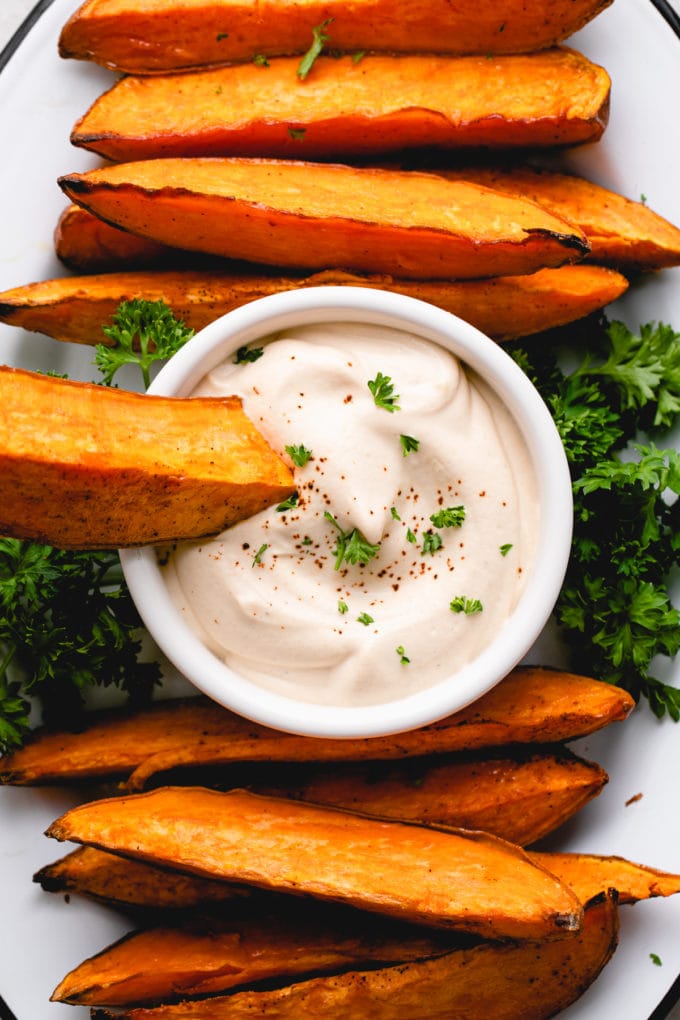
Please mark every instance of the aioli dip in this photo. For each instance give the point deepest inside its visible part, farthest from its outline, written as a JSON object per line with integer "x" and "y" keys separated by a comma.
{"x": 423, "y": 475}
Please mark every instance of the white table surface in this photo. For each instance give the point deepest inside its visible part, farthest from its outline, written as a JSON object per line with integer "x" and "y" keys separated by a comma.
{"x": 13, "y": 12}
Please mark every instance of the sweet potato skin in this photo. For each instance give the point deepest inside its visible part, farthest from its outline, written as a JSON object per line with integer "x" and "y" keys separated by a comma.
{"x": 530, "y": 705}
{"x": 347, "y": 108}
{"x": 497, "y": 982}
{"x": 470, "y": 882}
{"x": 154, "y": 35}
{"x": 85, "y": 466}
{"x": 310, "y": 215}
{"x": 85, "y": 244}
{"x": 621, "y": 232}
{"x": 73, "y": 308}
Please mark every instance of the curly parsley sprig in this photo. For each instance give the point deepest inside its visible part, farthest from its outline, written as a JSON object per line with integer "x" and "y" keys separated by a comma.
{"x": 141, "y": 333}
{"x": 615, "y": 606}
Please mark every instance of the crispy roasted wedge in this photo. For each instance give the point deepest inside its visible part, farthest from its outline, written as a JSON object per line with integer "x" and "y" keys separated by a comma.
{"x": 311, "y": 215}
{"x": 590, "y": 874}
{"x": 132, "y": 885}
{"x": 137, "y": 886}
{"x": 73, "y": 308}
{"x": 530, "y": 980}
{"x": 155, "y": 35}
{"x": 207, "y": 956}
{"x": 382, "y": 103}
{"x": 85, "y": 243}
{"x": 470, "y": 882}
{"x": 620, "y": 232}
{"x": 85, "y": 466}
{"x": 518, "y": 799}
{"x": 531, "y": 705}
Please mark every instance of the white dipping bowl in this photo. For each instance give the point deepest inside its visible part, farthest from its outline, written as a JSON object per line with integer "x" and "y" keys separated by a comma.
{"x": 259, "y": 319}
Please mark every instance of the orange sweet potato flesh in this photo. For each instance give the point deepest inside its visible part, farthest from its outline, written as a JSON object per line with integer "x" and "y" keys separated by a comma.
{"x": 382, "y": 103}
{"x": 311, "y": 215}
{"x": 530, "y": 980}
{"x": 73, "y": 308}
{"x": 155, "y": 35}
{"x": 531, "y": 705}
{"x": 85, "y": 466}
{"x": 86, "y": 244}
{"x": 470, "y": 882}
{"x": 590, "y": 874}
{"x": 620, "y": 232}
{"x": 208, "y": 955}
{"x": 518, "y": 799}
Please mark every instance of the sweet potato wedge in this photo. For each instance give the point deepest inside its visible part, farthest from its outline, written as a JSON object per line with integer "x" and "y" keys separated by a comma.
{"x": 85, "y": 466}
{"x": 470, "y": 882}
{"x": 591, "y": 874}
{"x": 382, "y": 103}
{"x": 131, "y": 885}
{"x": 620, "y": 232}
{"x": 530, "y": 980}
{"x": 137, "y": 886}
{"x": 73, "y": 308}
{"x": 311, "y": 215}
{"x": 153, "y": 35}
{"x": 531, "y": 705}
{"x": 518, "y": 799}
{"x": 208, "y": 956}
{"x": 85, "y": 244}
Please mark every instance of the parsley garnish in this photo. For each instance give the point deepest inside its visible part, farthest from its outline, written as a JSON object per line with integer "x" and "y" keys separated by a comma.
{"x": 319, "y": 40}
{"x": 463, "y": 604}
{"x": 615, "y": 605}
{"x": 395, "y": 513}
{"x": 288, "y": 504}
{"x": 403, "y": 657}
{"x": 260, "y": 60}
{"x": 67, "y": 623}
{"x": 297, "y": 134}
{"x": 221, "y": 35}
{"x": 358, "y": 56}
{"x": 248, "y": 354}
{"x": 365, "y": 619}
{"x": 505, "y": 549}
{"x": 410, "y": 537}
{"x": 342, "y": 606}
{"x": 141, "y": 332}
{"x": 408, "y": 444}
{"x": 299, "y": 455}
{"x": 451, "y": 517}
{"x": 383, "y": 393}
{"x": 656, "y": 960}
{"x": 431, "y": 543}
{"x": 257, "y": 558}
{"x": 352, "y": 547}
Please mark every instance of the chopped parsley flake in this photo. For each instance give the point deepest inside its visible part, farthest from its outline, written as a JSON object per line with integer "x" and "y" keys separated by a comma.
{"x": 403, "y": 657}
{"x": 260, "y": 60}
{"x": 383, "y": 393}
{"x": 299, "y": 454}
{"x": 288, "y": 504}
{"x": 257, "y": 558}
{"x": 505, "y": 549}
{"x": 352, "y": 547}
{"x": 408, "y": 444}
{"x": 297, "y": 134}
{"x": 395, "y": 513}
{"x": 410, "y": 537}
{"x": 365, "y": 619}
{"x": 359, "y": 55}
{"x": 318, "y": 42}
{"x": 245, "y": 355}
{"x": 462, "y": 604}
{"x": 431, "y": 542}
{"x": 342, "y": 606}
{"x": 656, "y": 960}
{"x": 450, "y": 517}
{"x": 222, "y": 35}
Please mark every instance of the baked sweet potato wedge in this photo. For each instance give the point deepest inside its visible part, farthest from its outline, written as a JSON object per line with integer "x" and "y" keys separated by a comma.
{"x": 530, "y": 980}
{"x": 520, "y": 799}
{"x": 208, "y": 956}
{"x": 85, "y": 466}
{"x": 470, "y": 882}
{"x": 591, "y": 874}
{"x": 132, "y": 885}
{"x": 381, "y": 103}
{"x": 531, "y": 705}
{"x": 137, "y": 886}
{"x": 312, "y": 215}
{"x": 73, "y": 308}
{"x": 620, "y": 232}
{"x": 86, "y": 244}
{"x": 153, "y": 35}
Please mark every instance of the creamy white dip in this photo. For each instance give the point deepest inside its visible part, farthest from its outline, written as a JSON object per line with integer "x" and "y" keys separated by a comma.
{"x": 266, "y": 594}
